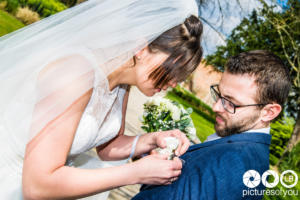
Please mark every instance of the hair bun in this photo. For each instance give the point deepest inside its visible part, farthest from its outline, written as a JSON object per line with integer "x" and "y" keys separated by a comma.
{"x": 194, "y": 26}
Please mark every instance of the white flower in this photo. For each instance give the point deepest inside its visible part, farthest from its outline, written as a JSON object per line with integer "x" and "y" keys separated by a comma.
{"x": 145, "y": 114}
{"x": 171, "y": 106}
{"x": 183, "y": 110}
{"x": 175, "y": 112}
{"x": 172, "y": 144}
{"x": 176, "y": 116}
{"x": 165, "y": 151}
{"x": 150, "y": 102}
{"x": 191, "y": 130}
{"x": 189, "y": 110}
{"x": 156, "y": 101}
{"x": 166, "y": 104}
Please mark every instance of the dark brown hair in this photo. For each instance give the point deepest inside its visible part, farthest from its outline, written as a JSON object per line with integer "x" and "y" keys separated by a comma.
{"x": 183, "y": 45}
{"x": 271, "y": 75}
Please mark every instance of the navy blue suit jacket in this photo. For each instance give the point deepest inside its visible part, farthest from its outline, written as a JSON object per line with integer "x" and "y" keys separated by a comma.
{"x": 215, "y": 169}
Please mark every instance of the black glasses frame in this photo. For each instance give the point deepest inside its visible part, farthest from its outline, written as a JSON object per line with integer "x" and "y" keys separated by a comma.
{"x": 223, "y": 99}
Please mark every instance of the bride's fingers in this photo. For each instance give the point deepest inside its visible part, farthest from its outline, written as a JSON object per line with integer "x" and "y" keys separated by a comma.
{"x": 160, "y": 156}
{"x": 178, "y": 149}
{"x": 174, "y": 179}
{"x": 185, "y": 146}
{"x": 161, "y": 142}
{"x": 177, "y": 134}
{"x": 168, "y": 183}
{"x": 171, "y": 180}
{"x": 177, "y": 165}
{"x": 176, "y": 174}
{"x": 153, "y": 152}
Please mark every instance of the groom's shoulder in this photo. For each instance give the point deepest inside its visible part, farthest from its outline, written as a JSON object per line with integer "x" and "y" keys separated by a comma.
{"x": 234, "y": 150}
{"x": 237, "y": 142}
{"x": 220, "y": 152}
{"x": 242, "y": 150}
{"x": 221, "y": 146}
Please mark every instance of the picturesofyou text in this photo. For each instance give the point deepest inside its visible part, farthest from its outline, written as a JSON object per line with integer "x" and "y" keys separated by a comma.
{"x": 288, "y": 179}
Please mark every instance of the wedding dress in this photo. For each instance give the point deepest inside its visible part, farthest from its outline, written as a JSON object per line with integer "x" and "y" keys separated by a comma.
{"x": 100, "y": 122}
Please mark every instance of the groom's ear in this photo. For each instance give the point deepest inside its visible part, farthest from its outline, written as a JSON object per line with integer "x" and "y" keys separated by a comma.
{"x": 270, "y": 112}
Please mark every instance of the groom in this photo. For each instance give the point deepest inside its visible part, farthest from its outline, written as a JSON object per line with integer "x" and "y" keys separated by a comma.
{"x": 250, "y": 95}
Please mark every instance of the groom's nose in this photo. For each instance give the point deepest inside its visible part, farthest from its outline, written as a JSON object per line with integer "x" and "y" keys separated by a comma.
{"x": 218, "y": 107}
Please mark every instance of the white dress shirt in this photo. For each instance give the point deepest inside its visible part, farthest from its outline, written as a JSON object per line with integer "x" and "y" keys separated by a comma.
{"x": 261, "y": 130}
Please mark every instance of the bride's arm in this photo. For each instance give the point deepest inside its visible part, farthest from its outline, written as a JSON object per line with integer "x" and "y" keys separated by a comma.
{"x": 120, "y": 147}
{"x": 44, "y": 173}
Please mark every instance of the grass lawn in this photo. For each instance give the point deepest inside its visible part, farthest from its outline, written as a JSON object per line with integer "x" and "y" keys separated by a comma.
{"x": 203, "y": 126}
{"x": 8, "y": 23}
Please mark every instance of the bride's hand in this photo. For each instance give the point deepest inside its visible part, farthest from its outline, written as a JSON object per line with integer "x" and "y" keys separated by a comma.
{"x": 183, "y": 145}
{"x": 157, "y": 170}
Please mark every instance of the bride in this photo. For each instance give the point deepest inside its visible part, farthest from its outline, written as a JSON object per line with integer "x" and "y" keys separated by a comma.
{"x": 64, "y": 85}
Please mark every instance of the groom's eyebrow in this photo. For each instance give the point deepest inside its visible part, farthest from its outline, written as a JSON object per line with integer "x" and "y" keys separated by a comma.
{"x": 234, "y": 100}
{"x": 231, "y": 98}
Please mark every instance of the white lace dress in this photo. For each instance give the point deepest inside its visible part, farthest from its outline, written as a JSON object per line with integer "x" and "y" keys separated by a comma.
{"x": 100, "y": 123}
{"x": 89, "y": 134}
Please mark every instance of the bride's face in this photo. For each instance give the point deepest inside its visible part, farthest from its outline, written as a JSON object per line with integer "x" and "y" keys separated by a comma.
{"x": 146, "y": 63}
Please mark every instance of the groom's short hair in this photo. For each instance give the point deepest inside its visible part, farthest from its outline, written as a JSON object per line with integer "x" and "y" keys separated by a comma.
{"x": 271, "y": 75}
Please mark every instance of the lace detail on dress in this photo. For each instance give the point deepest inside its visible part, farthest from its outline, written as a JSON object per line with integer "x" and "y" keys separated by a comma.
{"x": 101, "y": 119}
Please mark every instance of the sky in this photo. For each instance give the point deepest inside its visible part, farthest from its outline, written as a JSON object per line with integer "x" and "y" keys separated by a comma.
{"x": 282, "y": 3}
{"x": 222, "y": 25}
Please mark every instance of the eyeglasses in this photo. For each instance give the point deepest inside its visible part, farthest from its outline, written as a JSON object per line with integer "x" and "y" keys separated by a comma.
{"x": 227, "y": 104}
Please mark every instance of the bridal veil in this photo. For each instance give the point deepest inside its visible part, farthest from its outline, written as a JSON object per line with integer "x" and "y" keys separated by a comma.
{"x": 62, "y": 51}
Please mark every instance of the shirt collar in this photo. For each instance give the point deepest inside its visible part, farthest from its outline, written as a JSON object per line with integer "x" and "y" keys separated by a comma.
{"x": 261, "y": 130}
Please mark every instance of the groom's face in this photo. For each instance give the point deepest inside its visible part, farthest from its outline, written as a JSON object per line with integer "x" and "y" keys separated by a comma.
{"x": 240, "y": 90}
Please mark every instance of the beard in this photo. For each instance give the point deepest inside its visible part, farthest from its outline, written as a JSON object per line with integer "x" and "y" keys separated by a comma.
{"x": 237, "y": 127}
